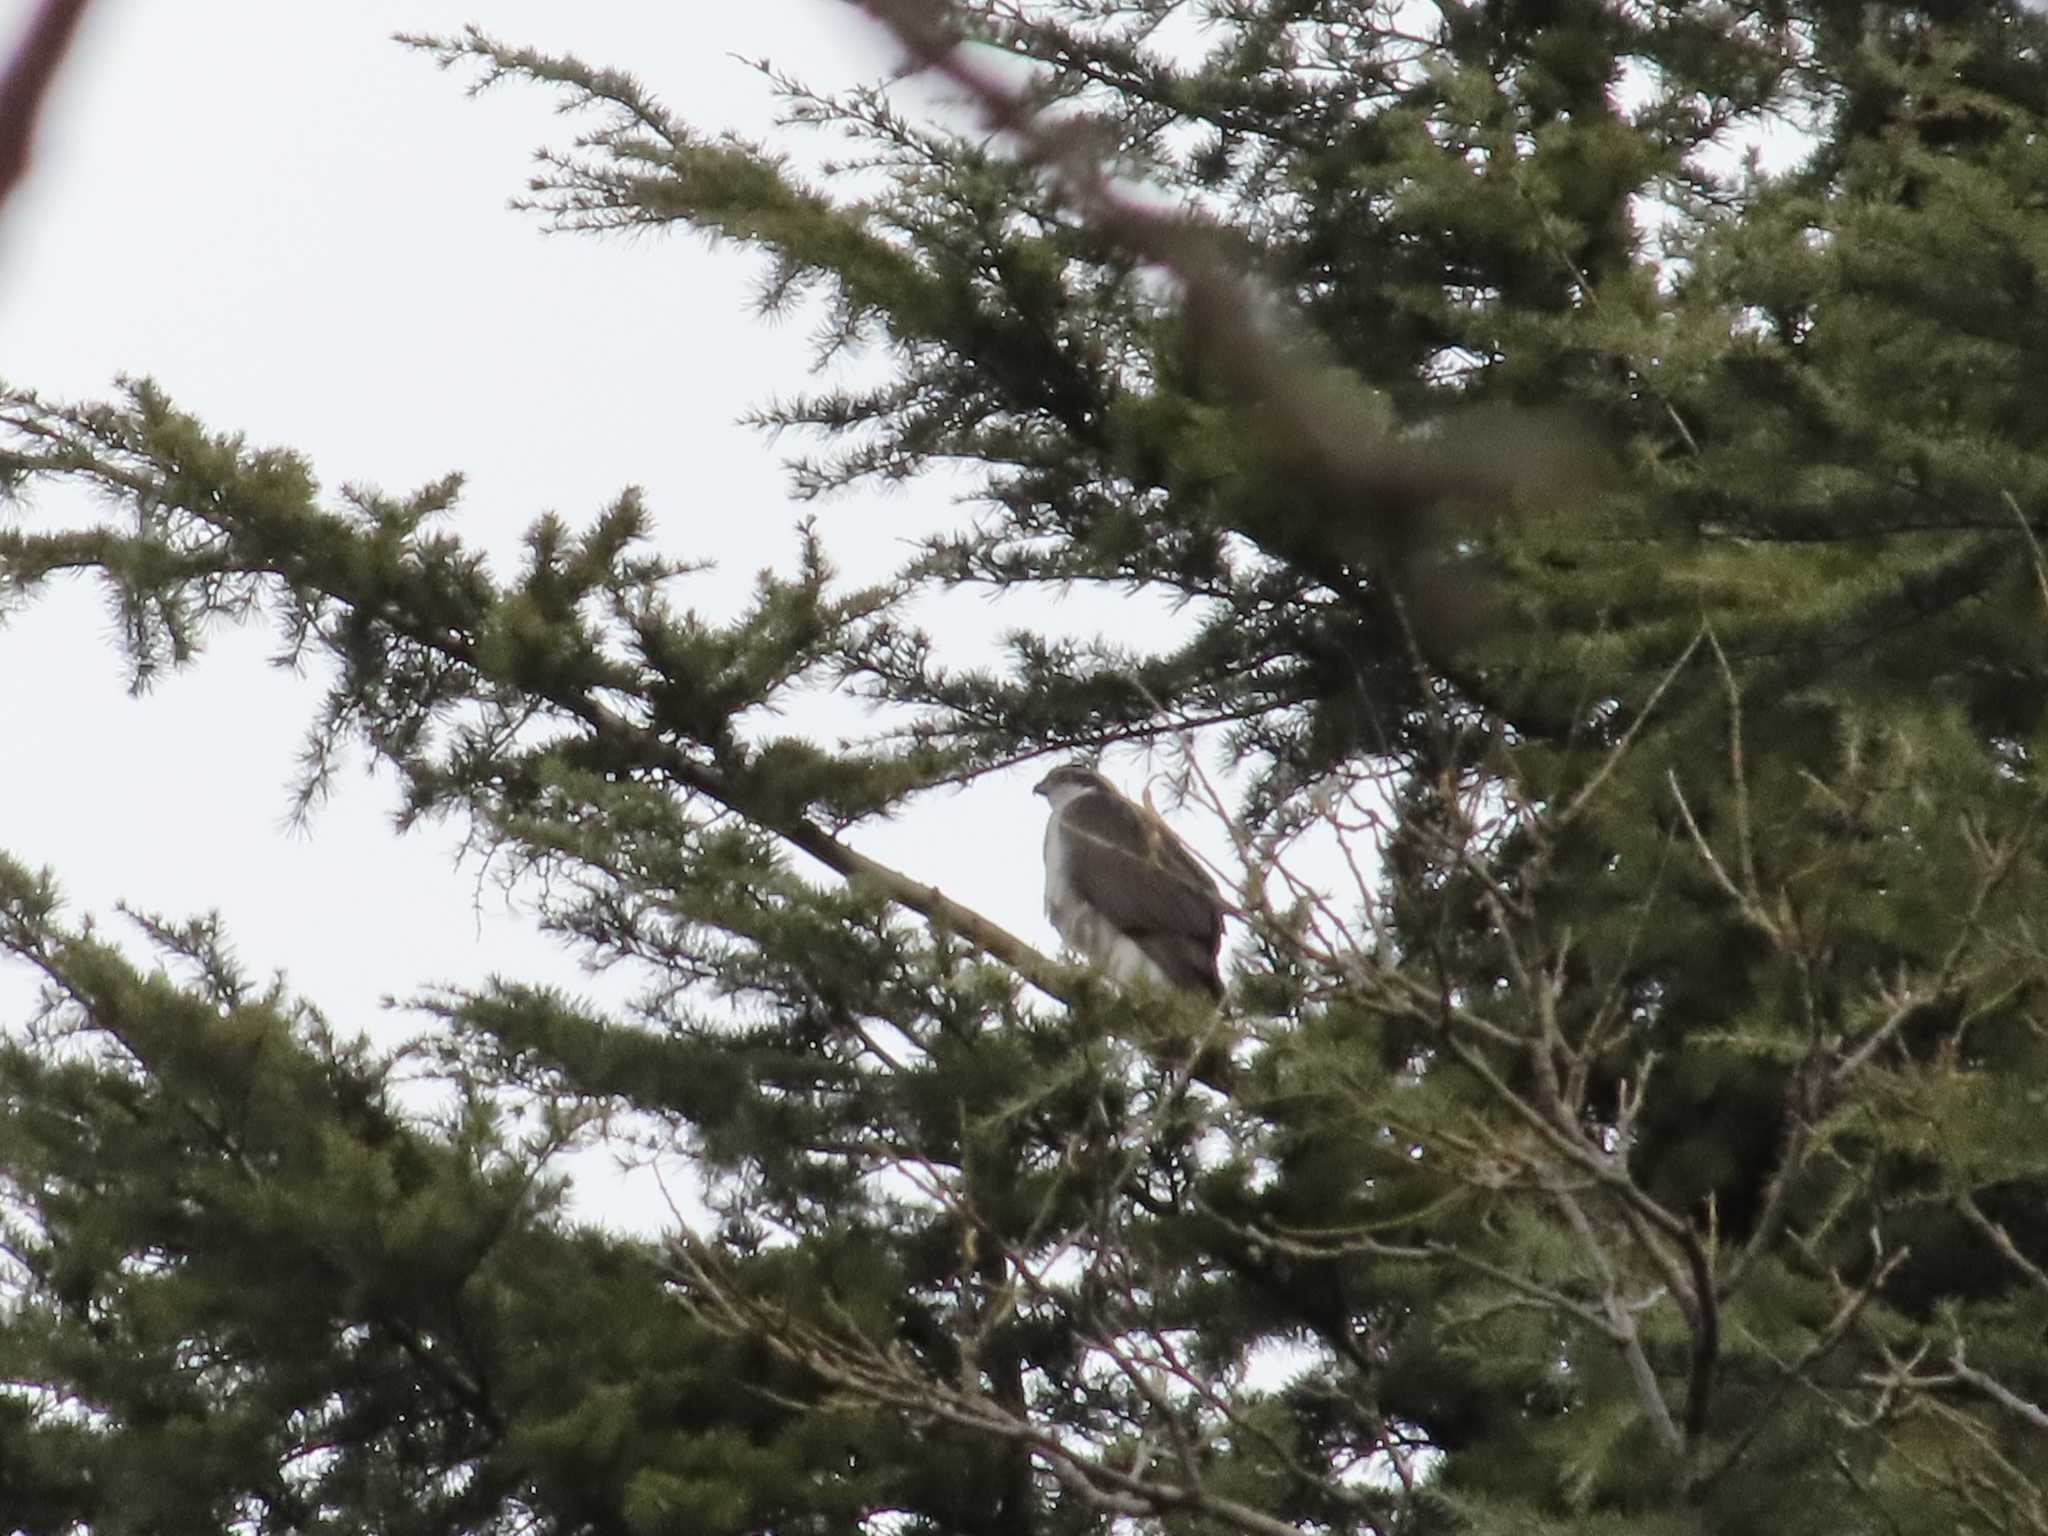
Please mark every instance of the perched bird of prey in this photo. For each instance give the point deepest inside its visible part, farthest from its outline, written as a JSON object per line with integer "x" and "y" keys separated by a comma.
{"x": 1124, "y": 891}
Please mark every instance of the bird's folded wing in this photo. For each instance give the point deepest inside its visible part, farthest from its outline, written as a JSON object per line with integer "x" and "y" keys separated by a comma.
{"x": 1136, "y": 873}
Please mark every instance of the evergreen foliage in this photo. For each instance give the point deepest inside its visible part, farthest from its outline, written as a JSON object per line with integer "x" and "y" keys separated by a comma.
{"x": 1631, "y": 559}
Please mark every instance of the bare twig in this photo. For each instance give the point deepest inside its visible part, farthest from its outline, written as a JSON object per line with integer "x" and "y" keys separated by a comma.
{"x": 1620, "y": 749}
{"x": 1738, "y": 775}
{"x": 1822, "y": 1344}
{"x": 1994, "y": 1233}
{"x": 1994, "y": 1389}
{"x": 2033, "y": 544}
{"x": 1750, "y": 905}
{"x": 1622, "y": 1323}
{"x": 848, "y": 1360}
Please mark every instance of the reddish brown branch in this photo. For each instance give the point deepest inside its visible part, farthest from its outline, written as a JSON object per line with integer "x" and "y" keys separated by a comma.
{"x": 27, "y": 82}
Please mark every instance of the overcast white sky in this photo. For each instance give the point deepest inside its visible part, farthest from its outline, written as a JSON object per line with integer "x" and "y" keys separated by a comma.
{"x": 300, "y": 230}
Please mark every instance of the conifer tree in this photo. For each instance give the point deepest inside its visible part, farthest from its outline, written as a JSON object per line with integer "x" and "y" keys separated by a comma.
{"x": 1629, "y": 561}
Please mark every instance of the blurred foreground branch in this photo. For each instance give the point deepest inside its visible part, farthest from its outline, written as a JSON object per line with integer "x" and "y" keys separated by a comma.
{"x": 27, "y": 82}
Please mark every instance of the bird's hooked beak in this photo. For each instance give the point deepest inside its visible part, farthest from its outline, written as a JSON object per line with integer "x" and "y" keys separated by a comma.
{"x": 1039, "y": 787}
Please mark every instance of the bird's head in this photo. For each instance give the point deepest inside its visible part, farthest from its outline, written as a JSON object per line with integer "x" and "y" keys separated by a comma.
{"x": 1067, "y": 781}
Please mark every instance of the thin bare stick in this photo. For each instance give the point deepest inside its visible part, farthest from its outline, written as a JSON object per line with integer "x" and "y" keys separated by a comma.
{"x": 1635, "y": 726}
{"x": 1738, "y": 777}
{"x": 1622, "y": 1322}
{"x": 1967, "y": 1208}
{"x": 1749, "y": 907}
{"x": 1823, "y": 1342}
{"x": 1996, "y": 1390}
{"x": 2033, "y": 544}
